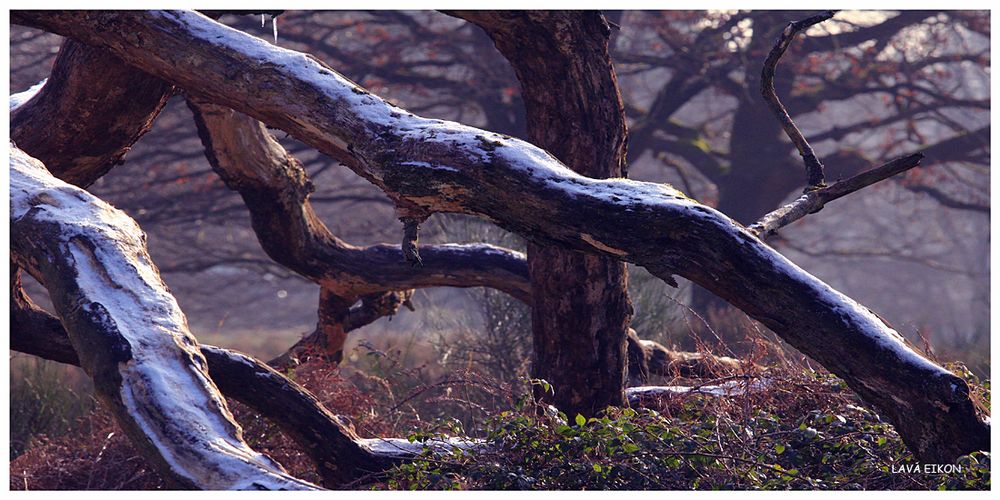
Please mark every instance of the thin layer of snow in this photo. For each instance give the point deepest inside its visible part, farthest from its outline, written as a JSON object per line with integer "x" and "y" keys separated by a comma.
{"x": 399, "y": 447}
{"x": 16, "y": 100}
{"x": 485, "y": 248}
{"x": 727, "y": 388}
{"x": 478, "y": 145}
{"x": 173, "y": 401}
{"x": 853, "y": 315}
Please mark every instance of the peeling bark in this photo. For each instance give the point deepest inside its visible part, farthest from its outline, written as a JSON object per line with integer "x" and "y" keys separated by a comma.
{"x": 129, "y": 334}
{"x": 445, "y": 167}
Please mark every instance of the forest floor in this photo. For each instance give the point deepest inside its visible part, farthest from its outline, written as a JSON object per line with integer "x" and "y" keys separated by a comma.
{"x": 794, "y": 428}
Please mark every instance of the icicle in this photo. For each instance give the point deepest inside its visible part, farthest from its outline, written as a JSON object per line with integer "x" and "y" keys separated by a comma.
{"x": 274, "y": 28}
{"x": 262, "y": 20}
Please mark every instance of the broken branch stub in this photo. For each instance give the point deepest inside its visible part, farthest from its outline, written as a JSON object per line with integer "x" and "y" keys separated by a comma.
{"x": 815, "y": 199}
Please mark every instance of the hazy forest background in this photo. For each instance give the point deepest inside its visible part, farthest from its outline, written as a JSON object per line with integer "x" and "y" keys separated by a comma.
{"x": 915, "y": 249}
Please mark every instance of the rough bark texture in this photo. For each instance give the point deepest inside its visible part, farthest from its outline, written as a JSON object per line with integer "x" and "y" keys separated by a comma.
{"x": 129, "y": 334}
{"x": 447, "y": 167}
{"x": 580, "y": 310}
{"x": 26, "y": 318}
{"x": 89, "y": 113}
{"x": 251, "y": 162}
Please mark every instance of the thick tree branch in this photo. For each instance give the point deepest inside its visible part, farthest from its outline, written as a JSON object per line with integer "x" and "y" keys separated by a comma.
{"x": 814, "y": 168}
{"x": 339, "y": 454}
{"x": 89, "y": 113}
{"x": 249, "y": 160}
{"x": 447, "y": 167}
{"x": 129, "y": 333}
{"x": 276, "y": 190}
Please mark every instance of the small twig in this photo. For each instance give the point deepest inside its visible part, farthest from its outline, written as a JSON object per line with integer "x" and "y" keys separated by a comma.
{"x": 814, "y": 169}
{"x": 814, "y": 200}
{"x": 411, "y": 235}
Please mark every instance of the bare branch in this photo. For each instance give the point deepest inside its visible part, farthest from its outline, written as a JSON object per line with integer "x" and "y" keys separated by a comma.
{"x": 276, "y": 190}
{"x": 339, "y": 454}
{"x": 90, "y": 112}
{"x": 814, "y": 200}
{"x": 814, "y": 169}
{"x": 129, "y": 333}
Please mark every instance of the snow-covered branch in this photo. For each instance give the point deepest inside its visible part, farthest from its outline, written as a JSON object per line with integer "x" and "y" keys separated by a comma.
{"x": 129, "y": 333}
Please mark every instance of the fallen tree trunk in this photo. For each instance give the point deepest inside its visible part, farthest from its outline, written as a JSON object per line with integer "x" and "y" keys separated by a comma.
{"x": 436, "y": 166}
{"x": 129, "y": 334}
{"x": 647, "y": 358}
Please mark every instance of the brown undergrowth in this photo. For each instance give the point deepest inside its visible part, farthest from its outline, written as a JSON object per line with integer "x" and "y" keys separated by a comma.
{"x": 795, "y": 428}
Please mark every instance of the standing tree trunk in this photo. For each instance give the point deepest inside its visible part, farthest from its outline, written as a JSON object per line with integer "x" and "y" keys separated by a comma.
{"x": 580, "y": 310}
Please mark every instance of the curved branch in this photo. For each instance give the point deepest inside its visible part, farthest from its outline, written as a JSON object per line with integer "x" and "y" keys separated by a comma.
{"x": 276, "y": 190}
{"x": 814, "y": 168}
{"x": 447, "y": 167}
{"x": 340, "y": 456}
{"x": 129, "y": 333}
{"x": 89, "y": 113}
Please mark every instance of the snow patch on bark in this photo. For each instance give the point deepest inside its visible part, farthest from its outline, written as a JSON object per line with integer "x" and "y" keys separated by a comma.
{"x": 727, "y": 388}
{"x": 357, "y": 108}
{"x": 403, "y": 448}
{"x": 479, "y": 248}
{"x": 854, "y": 316}
{"x": 18, "y": 99}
